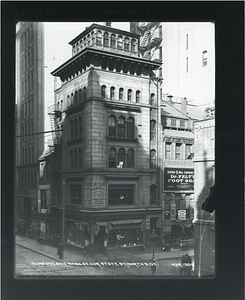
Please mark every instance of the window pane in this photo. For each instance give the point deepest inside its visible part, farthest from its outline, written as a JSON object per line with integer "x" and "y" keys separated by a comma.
{"x": 121, "y": 158}
{"x": 112, "y": 126}
{"x": 153, "y": 194}
{"x": 121, "y": 127}
{"x": 76, "y": 194}
{"x": 112, "y": 158}
{"x": 130, "y": 159}
{"x": 130, "y": 128}
{"x": 121, "y": 194}
{"x": 178, "y": 151}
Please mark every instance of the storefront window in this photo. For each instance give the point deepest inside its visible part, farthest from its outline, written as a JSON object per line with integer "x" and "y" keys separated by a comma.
{"x": 76, "y": 233}
{"x": 125, "y": 237}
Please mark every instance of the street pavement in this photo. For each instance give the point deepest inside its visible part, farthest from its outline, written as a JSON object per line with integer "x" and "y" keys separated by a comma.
{"x": 112, "y": 255}
{"x": 35, "y": 259}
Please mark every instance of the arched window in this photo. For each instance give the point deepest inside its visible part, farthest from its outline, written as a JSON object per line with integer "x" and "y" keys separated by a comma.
{"x": 103, "y": 91}
{"x": 129, "y": 95}
{"x": 80, "y": 127}
{"x": 75, "y": 129}
{"x": 99, "y": 38}
{"x": 80, "y": 96}
{"x": 152, "y": 99}
{"x": 121, "y": 158}
{"x": 106, "y": 39}
{"x": 72, "y": 129}
{"x": 61, "y": 105}
{"x": 137, "y": 96}
{"x": 121, "y": 94}
{"x": 126, "y": 44}
{"x": 121, "y": 127}
{"x": 71, "y": 160}
{"x": 88, "y": 40}
{"x": 130, "y": 128}
{"x": 84, "y": 93}
{"x": 112, "y": 93}
{"x": 119, "y": 42}
{"x": 130, "y": 158}
{"x": 75, "y": 98}
{"x": 112, "y": 158}
{"x": 112, "y": 126}
{"x": 153, "y": 194}
{"x": 113, "y": 40}
{"x": 177, "y": 199}
{"x": 133, "y": 45}
{"x": 153, "y": 130}
{"x": 153, "y": 159}
{"x": 80, "y": 158}
{"x": 72, "y": 98}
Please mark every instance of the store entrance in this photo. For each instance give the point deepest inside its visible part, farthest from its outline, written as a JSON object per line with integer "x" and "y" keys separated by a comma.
{"x": 99, "y": 239}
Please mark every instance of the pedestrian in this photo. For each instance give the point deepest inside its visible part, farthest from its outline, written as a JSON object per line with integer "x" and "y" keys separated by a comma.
{"x": 188, "y": 265}
{"x": 182, "y": 266}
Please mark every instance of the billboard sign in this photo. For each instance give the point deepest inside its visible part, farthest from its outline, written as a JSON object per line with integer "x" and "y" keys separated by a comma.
{"x": 178, "y": 179}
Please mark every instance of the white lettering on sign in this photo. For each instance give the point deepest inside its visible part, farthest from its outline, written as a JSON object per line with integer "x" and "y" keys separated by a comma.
{"x": 202, "y": 125}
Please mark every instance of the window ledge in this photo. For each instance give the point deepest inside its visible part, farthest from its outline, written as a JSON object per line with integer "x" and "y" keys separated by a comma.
{"x": 122, "y": 139}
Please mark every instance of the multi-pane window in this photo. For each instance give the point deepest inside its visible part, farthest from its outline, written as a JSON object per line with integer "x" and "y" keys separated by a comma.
{"x": 99, "y": 38}
{"x": 133, "y": 45}
{"x": 113, "y": 40}
{"x": 121, "y": 194}
{"x": 168, "y": 150}
{"x": 80, "y": 127}
{"x": 126, "y": 44}
{"x": 129, "y": 95}
{"x": 106, "y": 39}
{"x": 121, "y": 158}
{"x": 121, "y": 127}
{"x": 103, "y": 91}
{"x": 178, "y": 151}
{"x": 204, "y": 58}
{"x": 182, "y": 124}
{"x": 153, "y": 194}
{"x": 75, "y": 129}
{"x": 121, "y": 94}
{"x": 112, "y": 93}
{"x": 130, "y": 128}
{"x": 188, "y": 150}
{"x": 112, "y": 158}
{"x": 173, "y": 123}
{"x": 153, "y": 130}
{"x": 153, "y": 159}
{"x": 130, "y": 158}
{"x": 112, "y": 126}
{"x": 119, "y": 42}
{"x": 137, "y": 96}
{"x": 76, "y": 194}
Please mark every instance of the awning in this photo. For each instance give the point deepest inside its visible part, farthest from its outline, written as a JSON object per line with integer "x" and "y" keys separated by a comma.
{"x": 126, "y": 222}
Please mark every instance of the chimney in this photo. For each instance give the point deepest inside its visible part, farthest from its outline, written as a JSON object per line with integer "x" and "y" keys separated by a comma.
{"x": 183, "y": 105}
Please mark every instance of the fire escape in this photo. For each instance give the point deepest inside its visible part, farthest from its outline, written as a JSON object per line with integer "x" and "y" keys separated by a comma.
{"x": 55, "y": 121}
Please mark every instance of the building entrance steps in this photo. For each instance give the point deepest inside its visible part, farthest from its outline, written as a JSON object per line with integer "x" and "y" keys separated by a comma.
{"x": 113, "y": 255}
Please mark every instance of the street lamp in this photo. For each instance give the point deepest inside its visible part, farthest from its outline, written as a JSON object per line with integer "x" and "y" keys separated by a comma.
{"x": 153, "y": 237}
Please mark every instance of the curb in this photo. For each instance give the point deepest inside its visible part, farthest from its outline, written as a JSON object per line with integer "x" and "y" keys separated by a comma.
{"x": 49, "y": 256}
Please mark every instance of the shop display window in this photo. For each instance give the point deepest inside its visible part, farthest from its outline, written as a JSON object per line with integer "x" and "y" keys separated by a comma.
{"x": 125, "y": 237}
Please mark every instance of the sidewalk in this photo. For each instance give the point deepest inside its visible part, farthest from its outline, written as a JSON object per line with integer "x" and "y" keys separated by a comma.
{"x": 112, "y": 255}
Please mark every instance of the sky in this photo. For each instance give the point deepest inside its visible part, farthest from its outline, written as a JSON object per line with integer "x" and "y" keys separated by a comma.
{"x": 57, "y": 50}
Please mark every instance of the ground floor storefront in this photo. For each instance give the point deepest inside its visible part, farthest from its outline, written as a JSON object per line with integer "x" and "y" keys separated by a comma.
{"x": 102, "y": 231}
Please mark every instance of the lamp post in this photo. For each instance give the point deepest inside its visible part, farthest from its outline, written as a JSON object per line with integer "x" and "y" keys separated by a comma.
{"x": 153, "y": 237}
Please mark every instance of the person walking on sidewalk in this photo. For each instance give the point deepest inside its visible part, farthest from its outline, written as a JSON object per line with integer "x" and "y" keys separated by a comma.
{"x": 182, "y": 267}
{"x": 188, "y": 265}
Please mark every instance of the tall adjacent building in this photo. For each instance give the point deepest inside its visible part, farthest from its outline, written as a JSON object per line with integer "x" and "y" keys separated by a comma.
{"x": 29, "y": 117}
